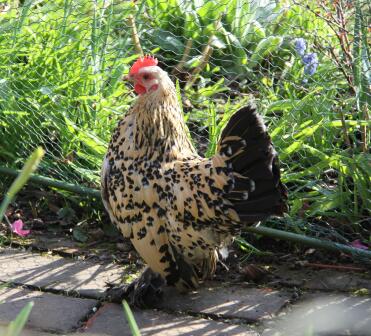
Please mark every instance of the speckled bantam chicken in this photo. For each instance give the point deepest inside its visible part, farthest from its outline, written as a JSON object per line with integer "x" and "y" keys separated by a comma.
{"x": 178, "y": 208}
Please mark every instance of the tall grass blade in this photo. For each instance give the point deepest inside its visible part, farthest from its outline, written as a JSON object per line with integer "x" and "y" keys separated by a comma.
{"x": 130, "y": 318}
{"x": 15, "y": 327}
{"x": 29, "y": 167}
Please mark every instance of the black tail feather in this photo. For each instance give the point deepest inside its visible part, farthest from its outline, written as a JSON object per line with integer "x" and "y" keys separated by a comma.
{"x": 255, "y": 167}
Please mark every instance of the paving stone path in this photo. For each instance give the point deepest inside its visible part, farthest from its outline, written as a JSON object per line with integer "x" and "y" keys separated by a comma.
{"x": 67, "y": 296}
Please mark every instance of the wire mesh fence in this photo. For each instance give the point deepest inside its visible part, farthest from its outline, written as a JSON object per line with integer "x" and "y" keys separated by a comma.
{"x": 305, "y": 64}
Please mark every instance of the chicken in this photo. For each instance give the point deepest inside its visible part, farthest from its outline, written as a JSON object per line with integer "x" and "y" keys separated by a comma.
{"x": 178, "y": 208}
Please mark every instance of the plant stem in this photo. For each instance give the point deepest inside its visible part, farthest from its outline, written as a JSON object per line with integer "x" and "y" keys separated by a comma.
{"x": 134, "y": 35}
{"x": 364, "y": 129}
{"x": 206, "y": 54}
{"x": 309, "y": 241}
{"x": 187, "y": 50}
{"x": 49, "y": 182}
{"x": 130, "y": 318}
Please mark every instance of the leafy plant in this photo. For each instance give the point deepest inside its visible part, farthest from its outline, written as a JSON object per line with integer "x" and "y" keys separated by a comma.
{"x": 61, "y": 64}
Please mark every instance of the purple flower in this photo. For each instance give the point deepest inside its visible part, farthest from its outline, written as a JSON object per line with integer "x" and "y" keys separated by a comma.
{"x": 300, "y": 46}
{"x": 310, "y": 63}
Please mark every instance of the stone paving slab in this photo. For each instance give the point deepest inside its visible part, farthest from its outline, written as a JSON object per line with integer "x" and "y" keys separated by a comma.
{"x": 27, "y": 332}
{"x": 250, "y": 304}
{"x": 50, "y": 312}
{"x": 325, "y": 279}
{"x": 58, "y": 244}
{"x": 54, "y": 272}
{"x": 110, "y": 321}
{"x": 35, "y": 332}
{"x": 337, "y": 281}
{"x": 324, "y": 314}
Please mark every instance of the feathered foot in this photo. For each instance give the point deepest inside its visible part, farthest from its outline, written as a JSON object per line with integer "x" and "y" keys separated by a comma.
{"x": 143, "y": 292}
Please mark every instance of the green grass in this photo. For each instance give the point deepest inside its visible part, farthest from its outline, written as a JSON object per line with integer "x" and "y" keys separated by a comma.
{"x": 60, "y": 88}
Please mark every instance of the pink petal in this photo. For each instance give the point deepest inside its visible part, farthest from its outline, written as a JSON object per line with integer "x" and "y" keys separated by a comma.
{"x": 18, "y": 224}
{"x": 358, "y": 244}
{"x": 17, "y": 227}
{"x": 23, "y": 233}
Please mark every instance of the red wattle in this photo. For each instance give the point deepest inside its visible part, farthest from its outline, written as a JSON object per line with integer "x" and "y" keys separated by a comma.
{"x": 139, "y": 89}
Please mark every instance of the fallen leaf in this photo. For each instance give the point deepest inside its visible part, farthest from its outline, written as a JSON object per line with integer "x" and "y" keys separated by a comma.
{"x": 254, "y": 272}
{"x": 79, "y": 235}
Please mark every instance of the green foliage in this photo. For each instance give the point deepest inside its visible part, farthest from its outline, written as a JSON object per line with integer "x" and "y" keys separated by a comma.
{"x": 61, "y": 64}
{"x": 239, "y": 34}
{"x": 54, "y": 78}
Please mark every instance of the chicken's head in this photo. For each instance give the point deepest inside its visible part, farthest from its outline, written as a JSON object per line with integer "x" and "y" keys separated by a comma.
{"x": 146, "y": 75}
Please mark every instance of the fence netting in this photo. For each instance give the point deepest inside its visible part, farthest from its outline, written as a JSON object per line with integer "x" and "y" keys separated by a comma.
{"x": 305, "y": 64}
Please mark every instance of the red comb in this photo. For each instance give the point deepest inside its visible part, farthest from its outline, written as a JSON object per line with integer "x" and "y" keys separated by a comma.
{"x": 141, "y": 62}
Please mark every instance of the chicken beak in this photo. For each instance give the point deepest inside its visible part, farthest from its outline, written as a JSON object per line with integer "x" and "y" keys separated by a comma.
{"x": 126, "y": 78}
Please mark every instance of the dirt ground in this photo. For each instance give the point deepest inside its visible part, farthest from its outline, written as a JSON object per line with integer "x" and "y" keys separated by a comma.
{"x": 71, "y": 257}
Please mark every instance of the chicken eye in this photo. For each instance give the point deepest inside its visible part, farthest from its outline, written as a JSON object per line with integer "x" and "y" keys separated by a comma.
{"x": 145, "y": 76}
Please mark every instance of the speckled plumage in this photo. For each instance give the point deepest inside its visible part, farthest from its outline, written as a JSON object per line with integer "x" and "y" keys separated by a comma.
{"x": 177, "y": 207}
